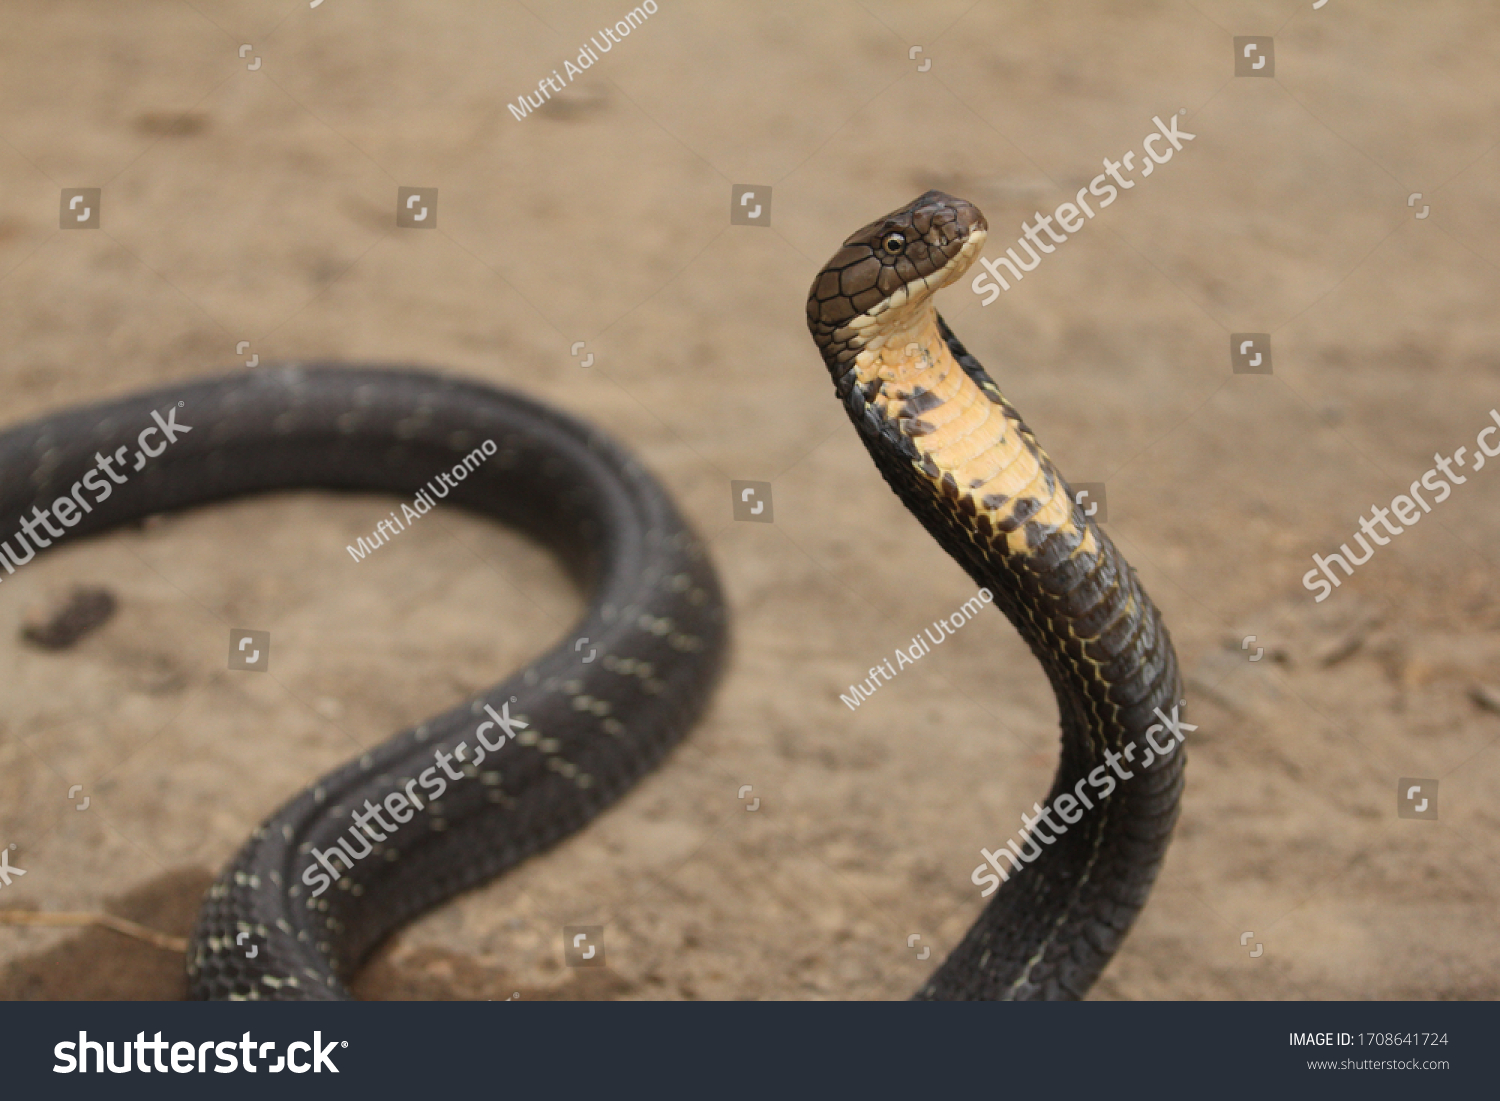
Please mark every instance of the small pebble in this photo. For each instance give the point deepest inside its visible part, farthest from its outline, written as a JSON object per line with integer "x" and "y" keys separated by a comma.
{"x": 1486, "y": 697}
{"x": 58, "y": 626}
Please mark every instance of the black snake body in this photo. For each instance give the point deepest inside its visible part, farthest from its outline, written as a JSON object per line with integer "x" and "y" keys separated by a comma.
{"x": 591, "y": 729}
{"x": 954, "y": 450}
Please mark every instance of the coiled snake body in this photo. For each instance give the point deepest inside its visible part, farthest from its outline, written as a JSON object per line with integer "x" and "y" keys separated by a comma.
{"x": 533, "y": 759}
{"x": 584, "y": 732}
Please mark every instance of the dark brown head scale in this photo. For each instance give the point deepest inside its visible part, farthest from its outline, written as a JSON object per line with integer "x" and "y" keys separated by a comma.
{"x": 912, "y": 243}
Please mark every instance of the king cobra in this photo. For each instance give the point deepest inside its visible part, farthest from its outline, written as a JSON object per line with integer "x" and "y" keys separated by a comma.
{"x": 276, "y": 926}
{"x": 963, "y": 462}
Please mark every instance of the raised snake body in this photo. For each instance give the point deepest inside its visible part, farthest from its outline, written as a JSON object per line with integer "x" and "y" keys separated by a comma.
{"x": 961, "y": 459}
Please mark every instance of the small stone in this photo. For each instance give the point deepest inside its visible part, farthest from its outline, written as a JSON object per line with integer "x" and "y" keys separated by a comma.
{"x": 59, "y": 626}
{"x": 1486, "y": 697}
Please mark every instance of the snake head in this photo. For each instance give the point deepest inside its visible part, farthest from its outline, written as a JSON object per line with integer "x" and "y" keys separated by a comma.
{"x": 890, "y": 269}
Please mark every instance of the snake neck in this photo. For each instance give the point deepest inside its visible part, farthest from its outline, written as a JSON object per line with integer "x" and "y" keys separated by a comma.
{"x": 966, "y": 440}
{"x": 966, "y": 465}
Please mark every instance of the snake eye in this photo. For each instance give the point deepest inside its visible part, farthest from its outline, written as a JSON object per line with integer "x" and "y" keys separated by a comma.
{"x": 893, "y": 243}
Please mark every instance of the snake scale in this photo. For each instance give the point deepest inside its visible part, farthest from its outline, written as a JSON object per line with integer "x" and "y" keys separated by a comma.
{"x": 533, "y": 759}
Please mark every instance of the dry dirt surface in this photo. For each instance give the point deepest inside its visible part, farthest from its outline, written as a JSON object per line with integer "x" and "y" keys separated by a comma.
{"x": 245, "y": 202}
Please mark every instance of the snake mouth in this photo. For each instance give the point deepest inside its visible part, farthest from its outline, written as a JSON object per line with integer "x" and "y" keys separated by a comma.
{"x": 897, "y": 261}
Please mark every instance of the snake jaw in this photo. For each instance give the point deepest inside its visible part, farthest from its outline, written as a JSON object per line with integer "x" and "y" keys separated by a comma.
{"x": 955, "y": 268}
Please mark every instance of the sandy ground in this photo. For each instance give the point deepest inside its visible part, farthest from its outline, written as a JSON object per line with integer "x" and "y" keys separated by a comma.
{"x": 258, "y": 205}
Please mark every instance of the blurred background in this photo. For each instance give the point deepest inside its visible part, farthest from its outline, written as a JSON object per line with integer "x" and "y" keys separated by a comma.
{"x": 248, "y": 157}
